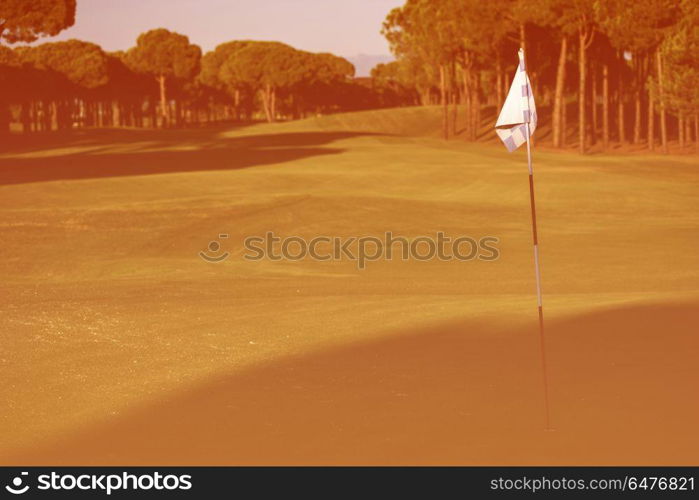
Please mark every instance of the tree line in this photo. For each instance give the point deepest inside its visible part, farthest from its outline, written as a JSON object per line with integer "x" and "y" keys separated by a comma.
{"x": 604, "y": 72}
{"x": 627, "y": 71}
{"x": 163, "y": 81}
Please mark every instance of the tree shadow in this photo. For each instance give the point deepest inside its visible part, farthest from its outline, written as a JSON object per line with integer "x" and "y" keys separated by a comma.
{"x": 38, "y": 141}
{"x": 127, "y": 153}
{"x": 622, "y": 386}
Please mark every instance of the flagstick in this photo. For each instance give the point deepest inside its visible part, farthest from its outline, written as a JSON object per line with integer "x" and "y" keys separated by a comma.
{"x": 538, "y": 277}
{"x": 513, "y": 115}
{"x": 537, "y": 269}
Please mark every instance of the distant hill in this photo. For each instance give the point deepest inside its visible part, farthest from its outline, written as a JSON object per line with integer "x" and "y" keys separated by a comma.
{"x": 364, "y": 62}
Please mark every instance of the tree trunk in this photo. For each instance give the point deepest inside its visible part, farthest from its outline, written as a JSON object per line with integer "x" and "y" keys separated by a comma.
{"x": 445, "y": 104}
{"x": 454, "y": 106}
{"x": 425, "y": 97}
{"x": 651, "y": 123}
{"x": 639, "y": 66}
{"x": 523, "y": 38}
{"x": 106, "y": 112}
{"x": 60, "y": 115}
{"x": 475, "y": 110}
{"x": 637, "y": 118}
{"x": 54, "y": 120}
{"x": 153, "y": 111}
{"x": 622, "y": 124}
{"x": 582, "y": 64}
{"x": 163, "y": 101}
{"x": 558, "y": 96}
{"x": 680, "y": 127}
{"x": 696, "y": 132}
{"x": 468, "y": 101}
{"x": 46, "y": 116}
{"x": 265, "y": 95}
{"x": 40, "y": 116}
{"x": 86, "y": 114}
{"x": 4, "y": 118}
{"x": 605, "y": 106}
{"x": 273, "y": 105}
{"x": 236, "y": 103}
{"x": 24, "y": 118}
{"x": 564, "y": 123}
{"x": 498, "y": 83}
{"x": 593, "y": 78}
{"x": 663, "y": 124}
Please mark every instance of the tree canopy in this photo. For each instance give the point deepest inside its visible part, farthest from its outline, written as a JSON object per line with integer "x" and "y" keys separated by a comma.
{"x": 27, "y": 20}
{"x": 163, "y": 53}
{"x": 622, "y": 53}
{"x": 603, "y": 72}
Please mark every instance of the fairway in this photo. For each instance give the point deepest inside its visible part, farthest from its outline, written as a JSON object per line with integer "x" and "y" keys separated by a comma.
{"x": 122, "y": 346}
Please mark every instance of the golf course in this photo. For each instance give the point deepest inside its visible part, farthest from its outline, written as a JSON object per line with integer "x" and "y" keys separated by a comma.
{"x": 122, "y": 345}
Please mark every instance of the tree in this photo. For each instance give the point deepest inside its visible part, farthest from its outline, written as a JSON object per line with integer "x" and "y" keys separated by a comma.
{"x": 166, "y": 56}
{"x": 274, "y": 71}
{"x": 559, "y": 18}
{"x": 582, "y": 15}
{"x": 428, "y": 30}
{"x": 320, "y": 82}
{"x": 680, "y": 53}
{"x": 481, "y": 35}
{"x": 78, "y": 68}
{"x": 10, "y": 70}
{"x": 638, "y": 28}
{"x": 25, "y": 21}
{"x": 396, "y": 84}
{"x": 259, "y": 67}
{"x": 21, "y": 21}
{"x": 82, "y": 63}
{"x": 211, "y": 75}
{"x": 127, "y": 91}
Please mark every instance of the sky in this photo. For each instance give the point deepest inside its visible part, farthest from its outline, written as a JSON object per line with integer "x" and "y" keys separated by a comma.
{"x": 343, "y": 27}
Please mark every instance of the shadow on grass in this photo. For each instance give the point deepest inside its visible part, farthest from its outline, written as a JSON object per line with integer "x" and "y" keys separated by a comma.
{"x": 124, "y": 153}
{"x": 622, "y": 381}
{"x": 37, "y": 141}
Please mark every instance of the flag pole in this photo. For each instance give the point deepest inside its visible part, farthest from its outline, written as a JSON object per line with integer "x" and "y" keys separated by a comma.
{"x": 537, "y": 268}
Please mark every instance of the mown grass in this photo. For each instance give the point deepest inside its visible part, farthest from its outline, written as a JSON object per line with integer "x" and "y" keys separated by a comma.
{"x": 107, "y": 307}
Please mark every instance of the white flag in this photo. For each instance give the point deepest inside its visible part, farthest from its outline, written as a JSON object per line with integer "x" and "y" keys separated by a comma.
{"x": 518, "y": 110}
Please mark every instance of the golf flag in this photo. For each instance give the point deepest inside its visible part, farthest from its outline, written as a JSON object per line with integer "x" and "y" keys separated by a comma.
{"x": 515, "y": 126}
{"x": 518, "y": 110}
